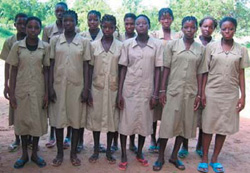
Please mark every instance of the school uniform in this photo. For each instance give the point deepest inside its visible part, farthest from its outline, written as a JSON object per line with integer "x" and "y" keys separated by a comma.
{"x": 87, "y": 35}
{"x": 68, "y": 81}
{"x": 220, "y": 115}
{"x": 138, "y": 87}
{"x": 122, "y": 37}
{"x": 30, "y": 117}
{"x": 179, "y": 117}
{"x": 104, "y": 115}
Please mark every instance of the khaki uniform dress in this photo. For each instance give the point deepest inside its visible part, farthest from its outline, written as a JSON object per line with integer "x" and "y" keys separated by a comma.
{"x": 160, "y": 35}
{"x": 68, "y": 81}
{"x": 104, "y": 115}
{"x": 222, "y": 89}
{"x": 179, "y": 117}
{"x": 4, "y": 54}
{"x": 30, "y": 117}
{"x": 138, "y": 87}
{"x": 122, "y": 37}
{"x": 87, "y": 35}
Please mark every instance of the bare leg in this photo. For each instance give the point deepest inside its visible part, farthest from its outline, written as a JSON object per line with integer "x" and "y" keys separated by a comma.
{"x": 123, "y": 140}
{"x": 174, "y": 159}
{"x": 153, "y": 136}
{"x": 219, "y": 141}
{"x": 95, "y": 155}
{"x": 141, "y": 142}
{"x": 199, "y": 143}
{"x": 74, "y": 141}
{"x": 80, "y": 141}
{"x": 115, "y": 143}
{"x": 59, "y": 143}
{"x": 25, "y": 155}
{"x": 110, "y": 158}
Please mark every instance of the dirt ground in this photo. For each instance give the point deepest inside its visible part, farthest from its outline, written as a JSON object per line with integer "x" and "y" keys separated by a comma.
{"x": 235, "y": 155}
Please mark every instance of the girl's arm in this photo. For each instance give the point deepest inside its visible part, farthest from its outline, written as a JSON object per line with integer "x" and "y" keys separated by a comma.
{"x": 90, "y": 99}
{"x": 198, "y": 96}
{"x": 154, "y": 98}
{"x": 85, "y": 91}
{"x": 203, "y": 87}
{"x": 13, "y": 76}
{"x": 241, "y": 102}
{"x": 52, "y": 93}
{"x": 46, "y": 81}
{"x": 120, "y": 99}
{"x": 163, "y": 86}
{"x": 6, "y": 81}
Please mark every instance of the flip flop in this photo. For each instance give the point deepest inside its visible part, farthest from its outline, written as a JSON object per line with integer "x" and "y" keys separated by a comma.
{"x": 178, "y": 164}
{"x": 13, "y": 147}
{"x": 57, "y": 162}
{"x": 79, "y": 148}
{"x": 20, "y": 163}
{"x": 94, "y": 158}
{"x": 203, "y": 167}
{"x": 158, "y": 165}
{"x": 143, "y": 161}
{"x": 75, "y": 161}
{"x": 39, "y": 162}
{"x": 123, "y": 166}
{"x": 183, "y": 153}
{"x": 66, "y": 143}
{"x": 199, "y": 152}
{"x": 110, "y": 159}
{"x": 217, "y": 167}
{"x": 51, "y": 143}
{"x": 102, "y": 149}
{"x": 134, "y": 149}
{"x": 151, "y": 148}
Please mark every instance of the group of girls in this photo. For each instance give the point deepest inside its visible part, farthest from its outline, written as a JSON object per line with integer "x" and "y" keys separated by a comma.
{"x": 92, "y": 80}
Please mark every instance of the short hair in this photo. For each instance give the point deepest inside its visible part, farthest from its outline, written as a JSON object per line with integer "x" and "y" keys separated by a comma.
{"x": 62, "y": 4}
{"x": 20, "y": 15}
{"x": 34, "y": 18}
{"x": 215, "y": 23}
{"x": 146, "y": 17}
{"x": 163, "y": 11}
{"x": 71, "y": 13}
{"x": 129, "y": 15}
{"x": 108, "y": 18}
{"x": 97, "y": 13}
{"x": 229, "y": 19}
{"x": 189, "y": 18}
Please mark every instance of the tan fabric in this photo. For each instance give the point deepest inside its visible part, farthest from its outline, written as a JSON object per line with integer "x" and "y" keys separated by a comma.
{"x": 87, "y": 35}
{"x": 178, "y": 117}
{"x": 104, "y": 115}
{"x": 30, "y": 118}
{"x": 68, "y": 81}
{"x": 222, "y": 89}
{"x": 52, "y": 30}
{"x": 122, "y": 37}
{"x": 137, "y": 117}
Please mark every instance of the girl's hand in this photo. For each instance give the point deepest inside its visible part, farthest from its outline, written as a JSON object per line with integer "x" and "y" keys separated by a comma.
{"x": 90, "y": 99}
{"x": 197, "y": 102}
{"x": 13, "y": 102}
{"x": 45, "y": 101}
{"x": 52, "y": 95}
{"x": 152, "y": 103}
{"x": 162, "y": 98}
{"x": 203, "y": 100}
{"x": 240, "y": 104}
{"x": 120, "y": 102}
{"x": 6, "y": 92}
{"x": 84, "y": 95}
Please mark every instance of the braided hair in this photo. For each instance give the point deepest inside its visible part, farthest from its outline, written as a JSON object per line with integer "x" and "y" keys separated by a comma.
{"x": 62, "y": 4}
{"x": 146, "y": 17}
{"x": 215, "y": 23}
{"x": 189, "y": 18}
{"x": 129, "y": 15}
{"x": 97, "y": 13}
{"x": 34, "y": 18}
{"x": 109, "y": 18}
{"x": 229, "y": 19}
{"x": 71, "y": 13}
{"x": 165, "y": 11}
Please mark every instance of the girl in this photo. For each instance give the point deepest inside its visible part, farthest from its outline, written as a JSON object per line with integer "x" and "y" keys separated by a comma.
{"x": 184, "y": 64}
{"x": 226, "y": 61}
{"x": 69, "y": 83}
{"x": 103, "y": 114}
{"x": 141, "y": 60}
{"x": 29, "y": 59}
{"x": 207, "y": 26}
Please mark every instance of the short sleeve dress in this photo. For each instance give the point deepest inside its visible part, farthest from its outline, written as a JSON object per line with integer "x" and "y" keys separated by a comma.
{"x": 137, "y": 117}
{"x": 179, "y": 117}
{"x": 104, "y": 115}
{"x": 68, "y": 81}
{"x": 30, "y": 117}
{"x": 87, "y": 35}
{"x": 222, "y": 89}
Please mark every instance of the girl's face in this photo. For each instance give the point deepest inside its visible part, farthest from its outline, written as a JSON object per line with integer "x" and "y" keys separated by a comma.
{"x": 129, "y": 25}
{"x": 166, "y": 21}
{"x": 33, "y": 29}
{"x": 69, "y": 23}
{"x": 141, "y": 25}
{"x": 108, "y": 28}
{"x": 207, "y": 28}
{"x": 227, "y": 30}
{"x": 20, "y": 24}
{"x": 93, "y": 21}
{"x": 189, "y": 29}
{"x": 59, "y": 12}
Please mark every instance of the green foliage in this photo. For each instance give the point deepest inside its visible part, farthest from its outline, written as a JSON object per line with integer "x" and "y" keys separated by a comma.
{"x": 4, "y": 33}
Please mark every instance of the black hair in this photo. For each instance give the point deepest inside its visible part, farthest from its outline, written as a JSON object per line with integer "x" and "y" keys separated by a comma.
{"x": 71, "y": 13}
{"x": 129, "y": 15}
{"x": 20, "y": 15}
{"x": 189, "y": 18}
{"x": 146, "y": 17}
{"x": 215, "y": 23}
{"x": 229, "y": 19}
{"x": 97, "y": 13}
{"x": 62, "y": 4}
{"x": 163, "y": 11}
{"x": 109, "y": 18}
{"x": 34, "y": 18}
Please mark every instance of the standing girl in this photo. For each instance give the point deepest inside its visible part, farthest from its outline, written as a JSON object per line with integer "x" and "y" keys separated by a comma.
{"x": 226, "y": 61}
{"x": 141, "y": 60}
{"x": 183, "y": 68}
{"x": 29, "y": 59}
{"x": 103, "y": 115}
{"x": 70, "y": 54}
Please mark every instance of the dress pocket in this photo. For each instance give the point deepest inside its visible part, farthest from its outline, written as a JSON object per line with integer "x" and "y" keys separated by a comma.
{"x": 99, "y": 82}
{"x": 113, "y": 82}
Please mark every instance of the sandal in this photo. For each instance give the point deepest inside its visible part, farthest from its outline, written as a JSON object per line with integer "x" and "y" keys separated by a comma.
{"x": 66, "y": 143}
{"x": 202, "y": 167}
{"x": 134, "y": 149}
{"x": 151, "y": 148}
{"x": 110, "y": 159}
{"x": 51, "y": 143}
{"x": 75, "y": 161}
{"x": 94, "y": 158}
{"x": 39, "y": 162}
{"x": 79, "y": 148}
{"x": 178, "y": 164}
{"x": 217, "y": 167}
{"x": 199, "y": 152}
{"x": 13, "y": 147}
{"x": 158, "y": 165}
{"x": 102, "y": 149}
{"x": 20, "y": 163}
{"x": 143, "y": 161}
{"x": 114, "y": 148}
{"x": 57, "y": 162}
{"x": 123, "y": 166}
{"x": 183, "y": 153}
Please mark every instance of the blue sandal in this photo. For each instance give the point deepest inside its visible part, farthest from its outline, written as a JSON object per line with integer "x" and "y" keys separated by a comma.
{"x": 183, "y": 153}
{"x": 217, "y": 167}
{"x": 39, "y": 162}
{"x": 199, "y": 152}
{"x": 202, "y": 167}
{"x": 20, "y": 163}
